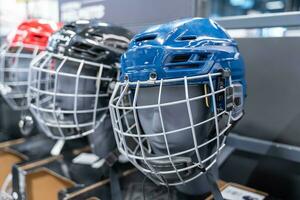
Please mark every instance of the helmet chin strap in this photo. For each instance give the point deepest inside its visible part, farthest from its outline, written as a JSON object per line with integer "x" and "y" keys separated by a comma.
{"x": 213, "y": 186}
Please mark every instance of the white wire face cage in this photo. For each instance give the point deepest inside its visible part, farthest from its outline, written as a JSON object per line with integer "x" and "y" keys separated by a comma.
{"x": 68, "y": 96}
{"x": 173, "y": 130}
{"x": 15, "y": 60}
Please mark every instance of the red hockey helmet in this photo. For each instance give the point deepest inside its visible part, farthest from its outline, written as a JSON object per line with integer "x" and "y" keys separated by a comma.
{"x": 22, "y": 45}
{"x": 34, "y": 32}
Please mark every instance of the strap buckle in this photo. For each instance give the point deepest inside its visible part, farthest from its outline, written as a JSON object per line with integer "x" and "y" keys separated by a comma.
{"x": 112, "y": 158}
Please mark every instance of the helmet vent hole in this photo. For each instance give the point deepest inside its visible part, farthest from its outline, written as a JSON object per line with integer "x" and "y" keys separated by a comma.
{"x": 187, "y": 37}
{"x": 38, "y": 37}
{"x": 82, "y": 46}
{"x": 146, "y": 38}
{"x": 70, "y": 26}
{"x": 98, "y": 50}
{"x": 180, "y": 58}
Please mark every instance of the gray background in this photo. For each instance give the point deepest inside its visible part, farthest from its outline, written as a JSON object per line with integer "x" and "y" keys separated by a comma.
{"x": 137, "y": 14}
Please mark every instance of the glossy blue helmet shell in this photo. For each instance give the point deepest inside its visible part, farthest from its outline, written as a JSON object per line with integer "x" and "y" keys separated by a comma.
{"x": 186, "y": 47}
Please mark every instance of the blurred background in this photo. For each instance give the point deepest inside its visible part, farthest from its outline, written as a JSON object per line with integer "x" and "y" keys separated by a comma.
{"x": 264, "y": 152}
{"x": 137, "y": 14}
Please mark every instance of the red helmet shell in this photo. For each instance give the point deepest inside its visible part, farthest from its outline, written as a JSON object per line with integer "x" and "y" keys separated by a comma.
{"x": 35, "y": 32}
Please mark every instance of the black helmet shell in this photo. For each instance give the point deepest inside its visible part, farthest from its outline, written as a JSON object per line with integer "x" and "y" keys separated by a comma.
{"x": 91, "y": 40}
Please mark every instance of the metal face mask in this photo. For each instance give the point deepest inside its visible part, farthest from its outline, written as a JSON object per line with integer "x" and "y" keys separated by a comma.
{"x": 15, "y": 61}
{"x": 30, "y": 38}
{"x": 182, "y": 89}
{"x": 70, "y": 84}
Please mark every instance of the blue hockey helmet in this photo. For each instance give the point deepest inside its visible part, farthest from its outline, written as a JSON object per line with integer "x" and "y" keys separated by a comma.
{"x": 182, "y": 88}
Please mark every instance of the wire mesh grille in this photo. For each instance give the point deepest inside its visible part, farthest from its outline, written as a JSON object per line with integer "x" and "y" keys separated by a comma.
{"x": 14, "y": 66}
{"x": 68, "y": 96}
{"x": 172, "y": 130}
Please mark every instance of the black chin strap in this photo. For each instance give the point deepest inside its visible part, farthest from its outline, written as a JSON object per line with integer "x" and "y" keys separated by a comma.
{"x": 213, "y": 186}
{"x": 115, "y": 188}
{"x": 104, "y": 146}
